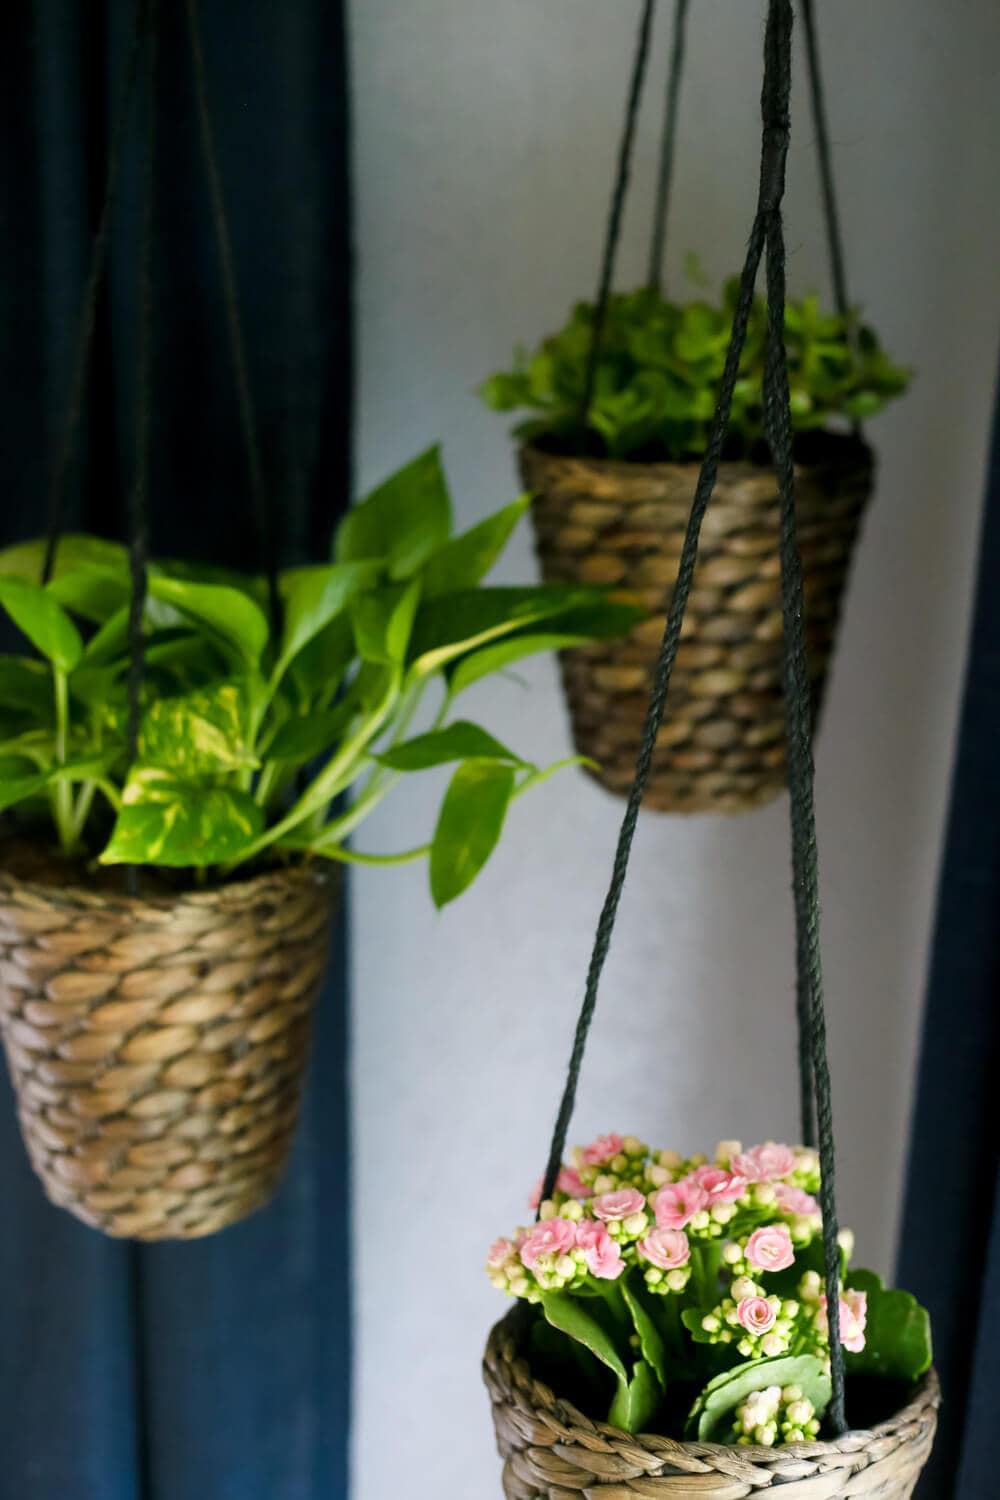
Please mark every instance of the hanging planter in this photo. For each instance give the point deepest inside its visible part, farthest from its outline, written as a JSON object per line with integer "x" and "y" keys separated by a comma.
{"x": 619, "y": 404}
{"x": 157, "y": 1036}
{"x": 675, "y": 1333}
{"x": 721, "y": 747}
{"x": 672, "y": 1330}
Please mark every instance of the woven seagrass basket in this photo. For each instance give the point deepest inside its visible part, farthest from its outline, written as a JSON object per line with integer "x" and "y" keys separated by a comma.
{"x": 721, "y": 747}
{"x": 552, "y": 1452}
{"x": 157, "y": 1044}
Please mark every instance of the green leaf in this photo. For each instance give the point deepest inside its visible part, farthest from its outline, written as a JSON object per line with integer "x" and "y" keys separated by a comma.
{"x": 404, "y": 521}
{"x": 197, "y": 732}
{"x": 897, "y": 1335}
{"x": 607, "y": 620}
{"x": 229, "y": 613}
{"x": 19, "y": 788}
{"x": 318, "y": 669}
{"x": 710, "y": 1419}
{"x": 314, "y": 596}
{"x": 637, "y": 1400}
{"x": 650, "y": 1339}
{"x": 166, "y": 820}
{"x": 383, "y": 622}
{"x": 469, "y": 825}
{"x": 459, "y": 741}
{"x": 44, "y": 621}
{"x": 26, "y": 685}
{"x": 457, "y": 623}
{"x": 94, "y": 593}
{"x": 74, "y": 552}
{"x": 543, "y": 773}
{"x": 569, "y": 1315}
{"x": 462, "y": 562}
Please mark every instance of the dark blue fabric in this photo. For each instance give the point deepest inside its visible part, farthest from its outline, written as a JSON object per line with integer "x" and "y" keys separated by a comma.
{"x": 950, "y": 1255}
{"x": 217, "y": 1369}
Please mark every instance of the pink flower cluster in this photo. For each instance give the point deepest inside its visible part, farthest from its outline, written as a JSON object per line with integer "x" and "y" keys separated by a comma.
{"x": 555, "y": 1238}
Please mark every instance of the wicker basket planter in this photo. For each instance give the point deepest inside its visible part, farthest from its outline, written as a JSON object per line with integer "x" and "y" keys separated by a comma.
{"x": 552, "y": 1452}
{"x": 721, "y": 747}
{"x": 157, "y": 1044}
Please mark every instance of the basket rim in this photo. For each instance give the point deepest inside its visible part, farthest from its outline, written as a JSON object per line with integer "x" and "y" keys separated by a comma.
{"x": 846, "y": 451}
{"x": 74, "y": 893}
{"x": 927, "y": 1393}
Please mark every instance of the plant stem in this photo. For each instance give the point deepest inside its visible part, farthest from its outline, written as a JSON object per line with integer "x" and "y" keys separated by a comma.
{"x": 83, "y": 806}
{"x": 62, "y": 797}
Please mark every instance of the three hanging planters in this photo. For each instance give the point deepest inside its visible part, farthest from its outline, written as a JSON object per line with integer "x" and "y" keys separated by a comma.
{"x": 157, "y": 1041}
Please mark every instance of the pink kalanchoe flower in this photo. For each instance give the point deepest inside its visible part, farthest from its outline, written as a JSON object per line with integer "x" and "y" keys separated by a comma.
{"x": 666, "y": 1248}
{"x": 720, "y": 1185}
{"x": 853, "y": 1319}
{"x": 765, "y": 1163}
{"x": 756, "y": 1314}
{"x": 500, "y": 1251}
{"x": 603, "y": 1150}
{"x": 569, "y": 1182}
{"x": 553, "y": 1237}
{"x": 619, "y": 1205}
{"x": 770, "y": 1248}
{"x": 602, "y": 1254}
{"x": 677, "y": 1203}
{"x": 792, "y": 1200}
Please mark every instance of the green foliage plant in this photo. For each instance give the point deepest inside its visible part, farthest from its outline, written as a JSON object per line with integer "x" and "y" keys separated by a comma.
{"x": 257, "y": 746}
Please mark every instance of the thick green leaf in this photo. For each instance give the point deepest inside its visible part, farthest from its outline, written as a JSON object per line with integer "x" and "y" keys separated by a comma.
{"x": 650, "y": 1339}
{"x": 571, "y": 1317}
{"x": 457, "y": 623}
{"x": 383, "y": 622}
{"x": 314, "y": 596}
{"x": 168, "y": 821}
{"x": 468, "y": 827}
{"x": 75, "y": 551}
{"x": 898, "y": 1332}
{"x": 405, "y": 520}
{"x": 462, "y": 562}
{"x": 197, "y": 732}
{"x": 710, "y": 1419}
{"x": 94, "y": 593}
{"x": 637, "y": 1400}
{"x": 227, "y": 612}
{"x": 44, "y": 621}
{"x": 459, "y": 741}
{"x": 26, "y": 685}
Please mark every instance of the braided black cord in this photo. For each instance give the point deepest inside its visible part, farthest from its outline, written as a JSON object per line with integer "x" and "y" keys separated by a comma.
{"x": 263, "y": 507}
{"x": 767, "y": 229}
{"x": 138, "y": 517}
{"x": 88, "y": 313}
{"x": 668, "y": 141}
{"x": 616, "y": 211}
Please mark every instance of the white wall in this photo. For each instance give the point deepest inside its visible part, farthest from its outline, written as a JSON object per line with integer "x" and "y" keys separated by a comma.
{"x": 484, "y": 137}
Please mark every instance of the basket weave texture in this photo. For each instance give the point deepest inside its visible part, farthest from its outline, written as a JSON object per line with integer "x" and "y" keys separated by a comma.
{"x": 157, "y": 1044}
{"x": 552, "y": 1452}
{"x": 721, "y": 747}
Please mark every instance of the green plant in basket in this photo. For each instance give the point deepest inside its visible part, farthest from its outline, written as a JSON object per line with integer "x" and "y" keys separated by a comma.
{"x": 257, "y": 746}
{"x": 659, "y": 367}
{"x": 686, "y": 1296}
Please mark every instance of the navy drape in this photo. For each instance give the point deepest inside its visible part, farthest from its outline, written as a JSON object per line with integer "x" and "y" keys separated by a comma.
{"x": 219, "y": 1368}
{"x": 950, "y": 1247}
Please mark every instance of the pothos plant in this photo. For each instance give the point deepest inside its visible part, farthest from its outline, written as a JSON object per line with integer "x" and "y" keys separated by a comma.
{"x": 659, "y": 367}
{"x": 258, "y": 744}
{"x": 686, "y": 1296}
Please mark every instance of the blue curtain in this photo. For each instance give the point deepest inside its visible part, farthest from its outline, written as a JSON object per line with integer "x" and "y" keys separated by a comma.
{"x": 220, "y": 1368}
{"x": 950, "y": 1248}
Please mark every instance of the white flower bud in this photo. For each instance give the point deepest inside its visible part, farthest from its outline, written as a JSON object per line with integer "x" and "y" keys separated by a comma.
{"x": 790, "y": 1310}
{"x": 732, "y": 1253}
{"x": 800, "y": 1412}
{"x": 764, "y": 1194}
{"x": 700, "y": 1220}
{"x": 809, "y": 1287}
{"x": 519, "y": 1285}
{"x": 618, "y": 1163}
{"x": 792, "y": 1393}
{"x": 710, "y": 1323}
{"x": 743, "y": 1287}
{"x": 632, "y": 1146}
{"x": 566, "y": 1266}
{"x": 723, "y": 1212}
{"x": 807, "y": 1163}
{"x": 547, "y": 1210}
{"x": 699, "y": 1159}
{"x": 670, "y": 1159}
{"x": 604, "y": 1184}
{"x": 795, "y": 1435}
{"x": 745, "y": 1347}
{"x": 766, "y": 1435}
{"x": 772, "y": 1344}
{"x": 654, "y": 1275}
{"x": 659, "y": 1176}
{"x": 845, "y": 1239}
{"x": 677, "y": 1280}
{"x": 635, "y": 1224}
{"x": 726, "y": 1150}
{"x": 573, "y": 1210}
{"x": 732, "y": 1317}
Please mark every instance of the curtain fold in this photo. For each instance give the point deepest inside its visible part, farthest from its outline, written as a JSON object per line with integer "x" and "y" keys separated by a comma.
{"x": 218, "y": 1368}
{"x": 950, "y": 1246}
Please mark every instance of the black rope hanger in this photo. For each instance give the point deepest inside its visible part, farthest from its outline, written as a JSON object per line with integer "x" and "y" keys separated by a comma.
{"x": 766, "y": 241}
